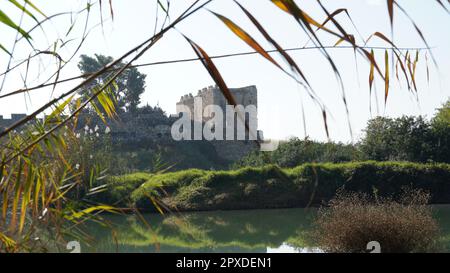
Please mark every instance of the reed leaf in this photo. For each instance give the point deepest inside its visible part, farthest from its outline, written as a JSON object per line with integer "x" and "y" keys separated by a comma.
{"x": 35, "y": 7}
{"x": 390, "y": 5}
{"x": 387, "y": 75}
{"x": 87, "y": 211}
{"x": 5, "y": 50}
{"x": 24, "y": 9}
{"x": 4, "y": 19}
{"x": 213, "y": 71}
{"x": 282, "y": 52}
{"x": 372, "y": 72}
{"x": 244, "y": 36}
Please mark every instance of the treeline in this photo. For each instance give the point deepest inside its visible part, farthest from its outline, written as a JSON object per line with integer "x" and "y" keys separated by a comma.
{"x": 407, "y": 138}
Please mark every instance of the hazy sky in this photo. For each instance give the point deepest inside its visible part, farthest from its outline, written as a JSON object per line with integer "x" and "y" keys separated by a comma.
{"x": 279, "y": 96}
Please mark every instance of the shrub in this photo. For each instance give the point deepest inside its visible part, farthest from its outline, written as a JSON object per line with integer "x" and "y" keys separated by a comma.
{"x": 352, "y": 220}
{"x": 296, "y": 151}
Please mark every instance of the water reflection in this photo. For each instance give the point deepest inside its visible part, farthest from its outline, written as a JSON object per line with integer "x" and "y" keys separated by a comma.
{"x": 256, "y": 231}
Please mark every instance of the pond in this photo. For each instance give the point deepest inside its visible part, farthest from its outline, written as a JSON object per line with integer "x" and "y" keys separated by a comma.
{"x": 256, "y": 231}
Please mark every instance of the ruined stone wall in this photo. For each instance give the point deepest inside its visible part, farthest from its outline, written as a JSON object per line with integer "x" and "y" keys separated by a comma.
{"x": 128, "y": 127}
{"x": 212, "y": 95}
{"x": 228, "y": 149}
{"x": 5, "y": 123}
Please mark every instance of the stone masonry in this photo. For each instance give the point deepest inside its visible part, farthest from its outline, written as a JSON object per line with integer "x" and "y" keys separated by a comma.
{"x": 5, "y": 123}
{"x": 212, "y": 95}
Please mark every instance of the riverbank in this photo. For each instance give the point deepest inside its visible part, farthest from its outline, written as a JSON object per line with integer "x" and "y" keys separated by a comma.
{"x": 272, "y": 186}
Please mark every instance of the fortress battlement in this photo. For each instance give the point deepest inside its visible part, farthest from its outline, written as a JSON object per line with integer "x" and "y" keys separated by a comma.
{"x": 212, "y": 95}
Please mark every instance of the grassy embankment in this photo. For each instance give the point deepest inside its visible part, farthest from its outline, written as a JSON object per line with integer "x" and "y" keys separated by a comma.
{"x": 274, "y": 187}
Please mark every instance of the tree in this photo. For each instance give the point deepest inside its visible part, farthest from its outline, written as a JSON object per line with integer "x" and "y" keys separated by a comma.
{"x": 154, "y": 115}
{"x": 440, "y": 126}
{"x": 442, "y": 116}
{"x": 129, "y": 86}
{"x": 405, "y": 138}
{"x": 296, "y": 152}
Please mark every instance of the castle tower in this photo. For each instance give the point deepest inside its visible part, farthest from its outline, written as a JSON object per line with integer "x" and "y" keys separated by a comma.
{"x": 245, "y": 96}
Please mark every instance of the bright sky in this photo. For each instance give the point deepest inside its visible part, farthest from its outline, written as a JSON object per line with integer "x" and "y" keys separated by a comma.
{"x": 279, "y": 96}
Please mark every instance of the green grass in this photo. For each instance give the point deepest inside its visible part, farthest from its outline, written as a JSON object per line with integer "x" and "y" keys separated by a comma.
{"x": 119, "y": 187}
{"x": 273, "y": 187}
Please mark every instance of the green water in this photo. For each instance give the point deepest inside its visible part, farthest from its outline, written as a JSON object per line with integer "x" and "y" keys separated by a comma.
{"x": 257, "y": 231}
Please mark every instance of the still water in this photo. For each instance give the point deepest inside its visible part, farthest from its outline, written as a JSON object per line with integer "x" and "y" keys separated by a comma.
{"x": 257, "y": 231}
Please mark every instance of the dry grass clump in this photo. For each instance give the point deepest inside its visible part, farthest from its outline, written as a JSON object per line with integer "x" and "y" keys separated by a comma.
{"x": 352, "y": 220}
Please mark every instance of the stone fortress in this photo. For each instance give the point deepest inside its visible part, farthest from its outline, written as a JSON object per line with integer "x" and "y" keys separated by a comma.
{"x": 212, "y": 95}
{"x": 148, "y": 126}
{"x": 245, "y": 96}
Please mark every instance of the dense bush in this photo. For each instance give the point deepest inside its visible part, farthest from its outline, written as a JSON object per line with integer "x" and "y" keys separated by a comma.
{"x": 405, "y": 138}
{"x": 295, "y": 152}
{"x": 274, "y": 187}
{"x": 353, "y": 220}
{"x": 409, "y": 138}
